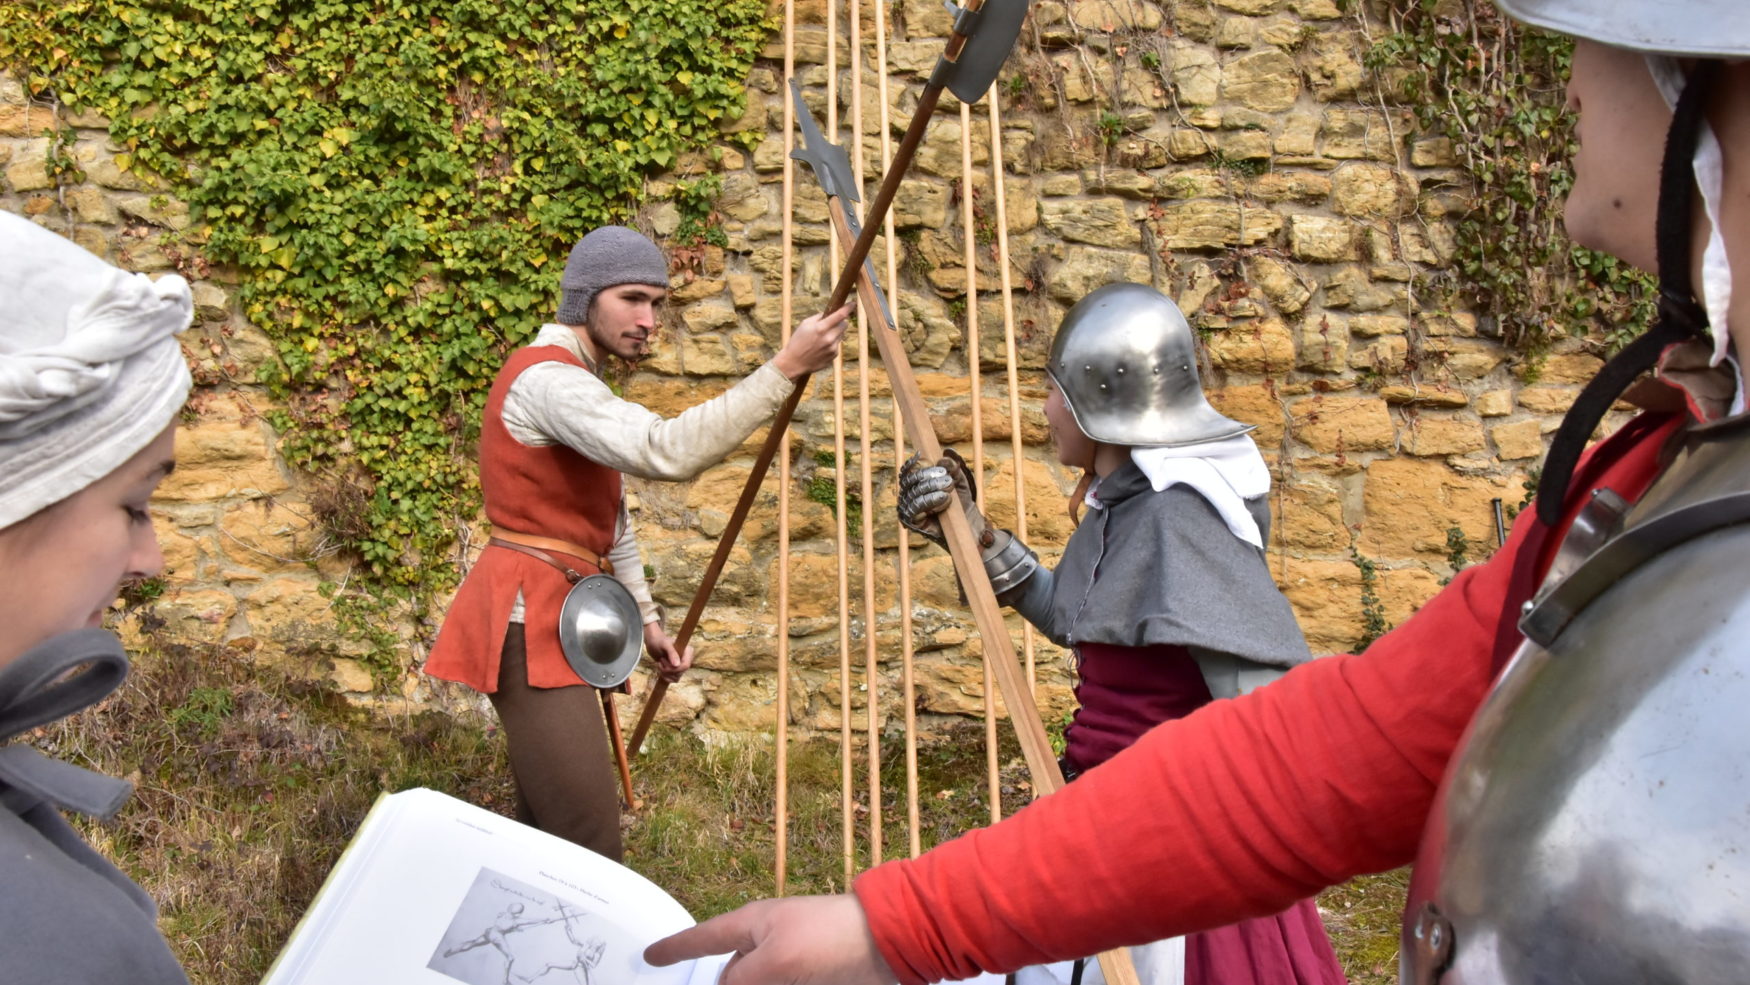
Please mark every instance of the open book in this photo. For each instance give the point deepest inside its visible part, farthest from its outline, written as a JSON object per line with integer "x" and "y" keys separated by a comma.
{"x": 433, "y": 890}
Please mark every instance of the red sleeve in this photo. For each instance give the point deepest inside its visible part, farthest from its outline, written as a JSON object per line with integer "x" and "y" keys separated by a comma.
{"x": 1235, "y": 811}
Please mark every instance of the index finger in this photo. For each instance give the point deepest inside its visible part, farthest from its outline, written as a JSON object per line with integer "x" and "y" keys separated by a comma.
{"x": 718, "y": 935}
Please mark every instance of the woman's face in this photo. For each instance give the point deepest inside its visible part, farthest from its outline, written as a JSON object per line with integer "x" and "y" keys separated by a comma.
{"x": 61, "y": 568}
{"x": 1074, "y": 448}
{"x": 1621, "y": 123}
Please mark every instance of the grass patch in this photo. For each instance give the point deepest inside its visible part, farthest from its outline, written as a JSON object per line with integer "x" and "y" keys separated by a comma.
{"x": 251, "y": 780}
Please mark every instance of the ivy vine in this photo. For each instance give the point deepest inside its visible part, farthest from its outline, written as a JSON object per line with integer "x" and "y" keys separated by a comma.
{"x": 396, "y": 183}
{"x": 1496, "y": 91}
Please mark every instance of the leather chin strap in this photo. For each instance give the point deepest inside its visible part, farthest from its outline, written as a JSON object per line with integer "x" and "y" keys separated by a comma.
{"x": 1680, "y": 316}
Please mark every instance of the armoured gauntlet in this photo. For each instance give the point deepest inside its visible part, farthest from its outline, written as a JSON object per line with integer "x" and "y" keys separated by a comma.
{"x": 926, "y": 490}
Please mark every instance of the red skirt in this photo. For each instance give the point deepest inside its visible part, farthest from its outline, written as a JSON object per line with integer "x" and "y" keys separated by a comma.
{"x": 1124, "y": 692}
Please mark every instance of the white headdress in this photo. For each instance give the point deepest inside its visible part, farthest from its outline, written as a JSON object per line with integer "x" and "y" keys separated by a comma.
{"x": 90, "y": 370}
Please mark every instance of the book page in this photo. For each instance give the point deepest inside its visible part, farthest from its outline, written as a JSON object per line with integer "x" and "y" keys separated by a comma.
{"x": 434, "y": 891}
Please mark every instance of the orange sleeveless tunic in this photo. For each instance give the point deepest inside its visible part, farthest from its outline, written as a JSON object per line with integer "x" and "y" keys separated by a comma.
{"x": 550, "y": 492}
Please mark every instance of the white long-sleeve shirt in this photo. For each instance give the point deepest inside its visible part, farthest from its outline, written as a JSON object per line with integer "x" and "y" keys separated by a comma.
{"x": 554, "y": 403}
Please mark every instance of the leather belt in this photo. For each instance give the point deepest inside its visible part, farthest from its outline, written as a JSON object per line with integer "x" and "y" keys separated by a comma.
{"x": 537, "y": 547}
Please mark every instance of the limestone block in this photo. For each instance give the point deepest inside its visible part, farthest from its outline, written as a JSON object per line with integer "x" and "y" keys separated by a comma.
{"x": 1466, "y": 359}
{"x": 1308, "y": 515}
{"x": 1196, "y": 76}
{"x": 953, "y": 421}
{"x": 265, "y": 534}
{"x": 661, "y": 396}
{"x": 939, "y": 152}
{"x": 1495, "y": 403}
{"x": 1462, "y": 324}
{"x": 181, "y": 552}
{"x": 1132, "y": 184}
{"x": 1194, "y": 20}
{"x": 199, "y": 615}
{"x": 1349, "y": 134}
{"x": 1428, "y": 436}
{"x": 1181, "y": 143}
{"x": 1280, "y": 284}
{"x": 1402, "y": 591}
{"x": 1236, "y": 32}
{"x": 768, "y": 155}
{"x": 741, "y": 704}
{"x": 1371, "y": 190}
{"x": 1020, "y": 202}
{"x": 1323, "y": 344}
{"x": 921, "y": 202}
{"x": 1260, "y": 346}
{"x": 1385, "y": 355}
{"x": 1326, "y": 596}
{"x": 713, "y": 317}
{"x": 1411, "y": 502}
{"x": 28, "y": 171}
{"x": 930, "y": 335}
{"x": 1257, "y": 405}
{"x": 1316, "y": 9}
{"x": 1267, "y": 81}
{"x": 680, "y": 566}
{"x": 1214, "y": 225}
{"x": 1332, "y": 66}
{"x": 1350, "y": 288}
{"x": 222, "y": 454}
{"x": 1244, "y": 145}
{"x": 159, "y": 210}
{"x": 741, "y": 290}
{"x": 292, "y": 613}
{"x": 1194, "y": 183}
{"x": 1372, "y": 326}
{"x": 20, "y": 119}
{"x": 1097, "y": 222}
{"x": 688, "y": 288}
{"x": 1290, "y": 186}
{"x": 736, "y": 641}
{"x": 1425, "y": 395}
{"x": 1518, "y": 439}
{"x": 1115, "y": 14}
{"x": 211, "y": 302}
{"x": 1574, "y": 367}
{"x": 1298, "y": 132}
{"x": 90, "y": 204}
{"x": 1085, "y": 268}
{"x": 1321, "y": 239}
{"x": 1548, "y": 399}
{"x": 1066, "y": 149}
{"x": 1433, "y": 152}
{"x": 925, "y": 19}
{"x": 1342, "y": 424}
{"x": 1045, "y": 488}
{"x": 1253, "y": 7}
{"x": 100, "y": 167}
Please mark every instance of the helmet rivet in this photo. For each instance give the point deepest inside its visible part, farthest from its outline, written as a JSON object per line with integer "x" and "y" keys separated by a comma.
{"x": 1102, "y": 386}
{"x": 1121, "y": 371}
{"x": 1087, "y": 369}
{"x": 1186, "y": 367}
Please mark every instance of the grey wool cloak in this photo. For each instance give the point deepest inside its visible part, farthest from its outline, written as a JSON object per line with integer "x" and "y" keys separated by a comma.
{"x": 67, "y": 916}
{"x": 1163, "y": 568}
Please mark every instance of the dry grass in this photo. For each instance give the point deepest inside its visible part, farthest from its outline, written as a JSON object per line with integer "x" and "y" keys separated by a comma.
{"x": 251, "y": 781}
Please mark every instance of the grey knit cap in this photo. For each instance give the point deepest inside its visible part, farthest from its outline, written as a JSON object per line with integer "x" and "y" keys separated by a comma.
{"x": 604, "y": 258}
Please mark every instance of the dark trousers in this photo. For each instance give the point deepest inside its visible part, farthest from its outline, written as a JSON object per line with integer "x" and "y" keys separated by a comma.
{"x": 559, "y": 754}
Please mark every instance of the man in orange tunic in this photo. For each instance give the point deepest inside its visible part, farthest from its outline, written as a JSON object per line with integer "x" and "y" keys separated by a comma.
{"x": 554, "y": 444}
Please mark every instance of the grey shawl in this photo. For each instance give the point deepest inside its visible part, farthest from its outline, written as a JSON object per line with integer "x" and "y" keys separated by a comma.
{"x": 1162, "y": 568}
{"x": 67, "y": 916}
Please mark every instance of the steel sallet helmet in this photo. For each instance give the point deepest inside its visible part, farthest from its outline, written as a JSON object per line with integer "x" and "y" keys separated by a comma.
{"x": 1126, "y": 362}
{"x": 1594, "y": 823}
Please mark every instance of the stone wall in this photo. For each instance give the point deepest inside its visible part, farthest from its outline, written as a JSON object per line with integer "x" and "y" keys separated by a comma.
{"x": 1235, "y": 153}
